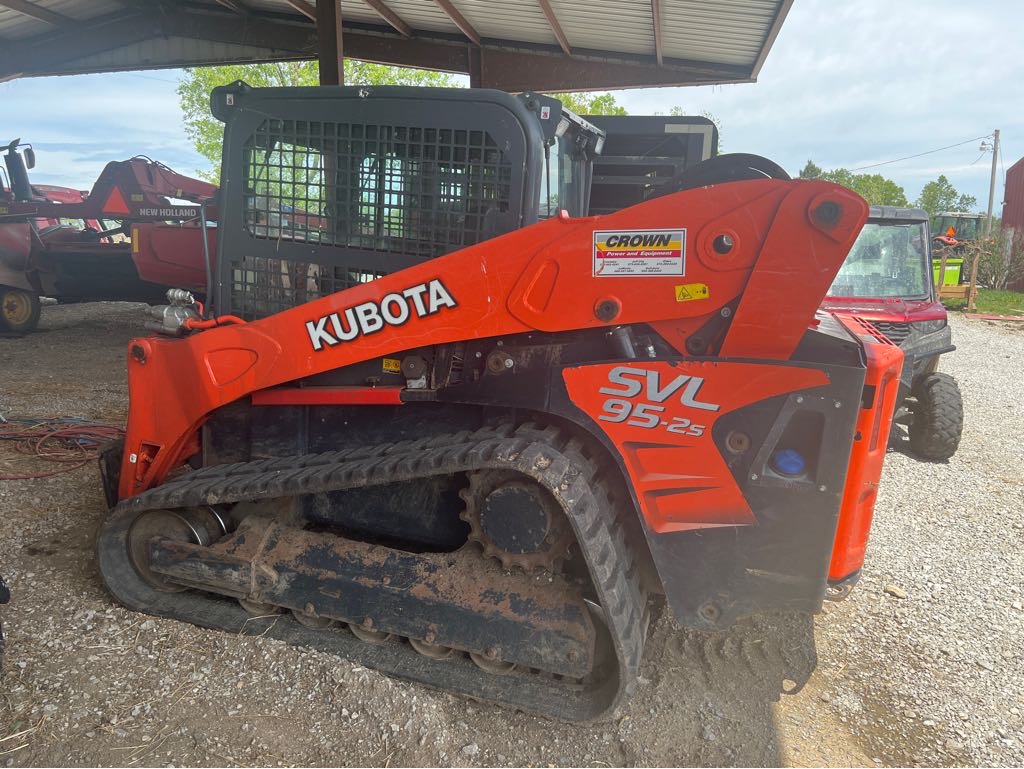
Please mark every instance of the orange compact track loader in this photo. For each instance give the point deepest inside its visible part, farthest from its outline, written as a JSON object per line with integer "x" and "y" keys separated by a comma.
{"x": 438, "y": 421}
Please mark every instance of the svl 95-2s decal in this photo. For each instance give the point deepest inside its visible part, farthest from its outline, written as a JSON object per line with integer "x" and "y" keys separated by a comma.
{"x": 630, "y": 382}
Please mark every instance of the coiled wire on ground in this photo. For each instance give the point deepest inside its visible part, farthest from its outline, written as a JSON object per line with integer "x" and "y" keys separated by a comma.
{"x": 70, "y": 442}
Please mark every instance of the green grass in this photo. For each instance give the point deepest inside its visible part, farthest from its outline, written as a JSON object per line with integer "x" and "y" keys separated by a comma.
{"x": 993, "y": 302}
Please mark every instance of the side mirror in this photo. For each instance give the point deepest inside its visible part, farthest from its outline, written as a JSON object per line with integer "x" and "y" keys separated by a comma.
{"x": 30, "y": 157}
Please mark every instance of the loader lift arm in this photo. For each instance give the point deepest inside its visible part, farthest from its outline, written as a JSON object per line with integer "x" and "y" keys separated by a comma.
{"x": 517, "y": 284}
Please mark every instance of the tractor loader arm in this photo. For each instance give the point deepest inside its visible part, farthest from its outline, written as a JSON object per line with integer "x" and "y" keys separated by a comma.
{"x": 758, "y": 255}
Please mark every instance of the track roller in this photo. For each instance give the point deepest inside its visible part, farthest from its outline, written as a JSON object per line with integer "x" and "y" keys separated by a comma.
{"x": 365, "y": 632}
{"x": 258, "y": 608}
{"x": 309, "y": 618}
{"x": 492, "y": 664}
{"x": 433, "y": 651}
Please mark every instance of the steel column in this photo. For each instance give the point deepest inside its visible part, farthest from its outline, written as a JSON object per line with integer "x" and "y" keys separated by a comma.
{"x": 330, "y": 48}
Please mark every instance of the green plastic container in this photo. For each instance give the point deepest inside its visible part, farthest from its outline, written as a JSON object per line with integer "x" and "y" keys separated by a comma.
{"x": 954, "y": 266}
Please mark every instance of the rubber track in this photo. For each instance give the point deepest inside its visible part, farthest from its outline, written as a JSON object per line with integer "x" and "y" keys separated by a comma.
{"x": 547, "y": 455}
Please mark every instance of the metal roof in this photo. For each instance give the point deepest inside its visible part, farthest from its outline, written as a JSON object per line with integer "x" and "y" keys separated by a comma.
{"x": 511, "y": 44}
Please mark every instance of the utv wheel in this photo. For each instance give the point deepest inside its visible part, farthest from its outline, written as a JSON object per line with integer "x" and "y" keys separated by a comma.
{"x": 938, "y": 417}
{"x": 19, "y": 310}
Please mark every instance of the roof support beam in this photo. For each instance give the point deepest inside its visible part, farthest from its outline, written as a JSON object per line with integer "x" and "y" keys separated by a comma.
{"x": 656, "y": 15}
{"x": 459, "y": 20}
{"x": 329, "y": 42}
{"x": 56, "y": 53}
{"x": 475, "y": 65}
{"x": 517, "y": 69}
{"x": 306, "y": 9}
{"x": 234, "y": 5}
{"x": 38, "y": 12}
{"x": 390, "y": 17}
{"x": 549, "y": 12}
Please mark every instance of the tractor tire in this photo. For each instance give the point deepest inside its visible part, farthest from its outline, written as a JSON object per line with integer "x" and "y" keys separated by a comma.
{"x": 19, "y": 310}
{"x": 938, "y": 417}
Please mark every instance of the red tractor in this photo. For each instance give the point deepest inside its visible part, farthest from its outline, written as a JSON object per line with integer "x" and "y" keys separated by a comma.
{"x": 887, "y": 280}
{"x": 107, "y": 244}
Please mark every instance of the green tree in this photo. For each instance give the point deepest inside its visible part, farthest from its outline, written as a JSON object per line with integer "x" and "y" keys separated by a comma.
{"x": 874, "y": 188}
{"x": 206, "y": 132}
{"x": 811, "y": 171}
{"x": 878, "y": 190}
{"x": 591, "y": 103}
{"x": 940, "y": 195}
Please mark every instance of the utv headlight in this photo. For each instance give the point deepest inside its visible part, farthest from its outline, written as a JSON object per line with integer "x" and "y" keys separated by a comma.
{"x": 928, "y": 326}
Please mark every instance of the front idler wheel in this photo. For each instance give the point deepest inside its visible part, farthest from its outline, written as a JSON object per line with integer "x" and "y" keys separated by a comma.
{"x": 197, "y": 527}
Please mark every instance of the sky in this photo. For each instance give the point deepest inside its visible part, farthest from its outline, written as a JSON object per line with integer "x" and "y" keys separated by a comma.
{"x": 847, "y": 84}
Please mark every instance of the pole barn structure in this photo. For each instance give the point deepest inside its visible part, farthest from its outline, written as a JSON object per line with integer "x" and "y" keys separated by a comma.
{"x": 1013, "y": 214}
{"x": 512, "y": 45}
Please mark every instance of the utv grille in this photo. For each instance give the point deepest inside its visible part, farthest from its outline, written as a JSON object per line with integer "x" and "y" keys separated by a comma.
{"x": 896, "y": 332}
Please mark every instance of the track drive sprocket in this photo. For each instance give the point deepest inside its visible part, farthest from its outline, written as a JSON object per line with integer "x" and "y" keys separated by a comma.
{"x": 515, "y": 521}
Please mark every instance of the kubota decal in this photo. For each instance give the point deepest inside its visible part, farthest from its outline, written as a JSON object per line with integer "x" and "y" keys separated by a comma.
{"x": 370, "y": 317}
{"x": 639, "y": 253}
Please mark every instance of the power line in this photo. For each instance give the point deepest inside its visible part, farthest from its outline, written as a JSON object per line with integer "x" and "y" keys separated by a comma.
{"x": 150, "y": 77}
{"x": 922, "y": 154}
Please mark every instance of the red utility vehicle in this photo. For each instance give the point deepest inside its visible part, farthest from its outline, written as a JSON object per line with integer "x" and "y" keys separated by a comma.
{"x": 887, "y": 280}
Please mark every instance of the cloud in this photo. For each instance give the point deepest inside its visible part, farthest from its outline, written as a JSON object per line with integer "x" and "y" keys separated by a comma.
{"x": 78, "y": 124}
{"x": 851, "y": 84}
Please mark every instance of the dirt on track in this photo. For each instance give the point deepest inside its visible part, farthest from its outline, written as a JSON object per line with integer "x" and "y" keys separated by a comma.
{"x": 88, "y": 683}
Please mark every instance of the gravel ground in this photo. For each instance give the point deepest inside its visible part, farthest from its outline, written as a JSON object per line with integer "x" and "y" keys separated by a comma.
{"x": 934, "y": 678}
{"x": 945, "y": 665}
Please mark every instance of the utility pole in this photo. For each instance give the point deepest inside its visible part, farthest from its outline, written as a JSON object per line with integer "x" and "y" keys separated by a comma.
{"x": 972, "y": 291}
{"x": 992, "y": 182}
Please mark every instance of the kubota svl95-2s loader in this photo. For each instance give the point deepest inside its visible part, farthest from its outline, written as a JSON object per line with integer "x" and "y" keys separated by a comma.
{"x": 459, "y": 432}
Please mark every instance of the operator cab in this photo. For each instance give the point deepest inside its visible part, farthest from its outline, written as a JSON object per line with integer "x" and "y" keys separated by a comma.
{"x": 340, "y": 185}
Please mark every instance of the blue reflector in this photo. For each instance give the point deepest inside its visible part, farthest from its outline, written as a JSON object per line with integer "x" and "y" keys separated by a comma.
{"x": 788, "y": 462}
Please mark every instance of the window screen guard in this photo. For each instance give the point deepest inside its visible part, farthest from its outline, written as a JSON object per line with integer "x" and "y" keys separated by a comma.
{"x": 327, "y": 196}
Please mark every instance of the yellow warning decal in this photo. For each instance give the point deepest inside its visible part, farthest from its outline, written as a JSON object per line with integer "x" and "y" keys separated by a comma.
{"x": 391, "y": 366}
{"x": 691, "y": 292}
